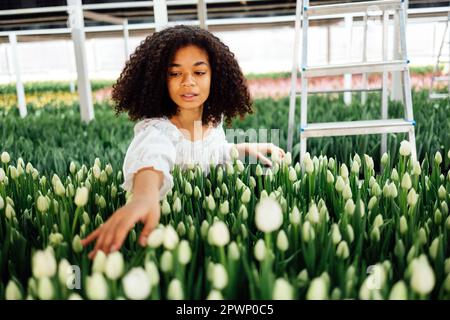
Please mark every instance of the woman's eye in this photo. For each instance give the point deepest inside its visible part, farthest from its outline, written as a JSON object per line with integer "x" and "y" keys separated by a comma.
{"x": 200, "y": 73}
{"x": 174, "y": 74}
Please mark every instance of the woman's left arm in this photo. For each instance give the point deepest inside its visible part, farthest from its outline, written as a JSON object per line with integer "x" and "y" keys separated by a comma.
{"x": 260, "y": 151}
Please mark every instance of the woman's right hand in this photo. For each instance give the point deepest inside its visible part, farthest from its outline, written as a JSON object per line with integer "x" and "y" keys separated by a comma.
{"x": 111, "y": 235}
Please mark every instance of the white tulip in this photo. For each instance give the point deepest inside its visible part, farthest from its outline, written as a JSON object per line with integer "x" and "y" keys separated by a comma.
{"x": 442, "y": 193}
{"x": 81, "y": 196}
{"x": 384, "y": 159}
{"x": 114, "y": 266}
{"x": 342, "y": 250}
{"x": 347, "y": 192}
{"x": 294, "y": 217}
{"x": 99, "y": 263}
{"x": 438, "y": 158}
{"x": 152, "y": 272}
{"x": 307, "y": 232}
{"x": 156, "y": 237}
{"x": 2, "y": 175}
{"x": 282, "y": 290}
{"x": 405, "y": 148}
{"x": 343, "y": 171}
{"x": 74, "y": 296}
{"x": 5, "y": 157}
{"x": 224, "y": 207}
{"x": 45, "y": 289}
{"x": 9, "y": 212}
{"x": 218, "y": 234}
{"x": 330, "y": 177}
{"x": 260, "y": 250}
{"x": 313, "y": 214}
{"x": 417, "y": 170}
{"x": 176, "y": 206}
{"x": 184, "y": 252}
{"x": 355, "y": 167}
{"x": 282, "y": 241}
{"x": 136, "y": 284}
{"x": 175, "y": 290}
{"x": 399, "y": 291}
{"x": 44, "y": 264}
{"x": 166, "y": 262}
{"x": 412, "y": 197}
{"x": 214, "y": 295}
{"x": 42, "y": 204}
{"x": 64, "y": 272}
{"x": 335, "y": 234}
{"x": 288, "y": 159}
{"x": 403, "y": 225}
{"x": 233, "y": 251}
{"x": 219, "y": 277}
{"x": 268, "y": 215}
{"x": 309, "y": 165}
{"x": 406, "y": 182}
{"x": 246, "y": 195}
{"x": 422, "y": 278}
{"x": 171, "y": 238}
{"x": 317, "y": 290}
{"x": 292, "y": 175}
{"x": 13, "y": 291}
{"x": 96, "y": 287}
{"x": 350, "y": 207}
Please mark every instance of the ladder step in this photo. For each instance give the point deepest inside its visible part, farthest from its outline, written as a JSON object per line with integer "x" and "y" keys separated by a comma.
{"x": 439, "y": 95}
{"x": 328, "y": 129}
{"x": 355, "y": 7}
{"x": 442, "y": 78}
{"x": 340, "y": 91}
{"x": 360, "y": 67}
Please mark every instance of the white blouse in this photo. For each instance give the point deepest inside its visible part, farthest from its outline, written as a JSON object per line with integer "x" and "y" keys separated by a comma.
{"x": 160, "y": 144}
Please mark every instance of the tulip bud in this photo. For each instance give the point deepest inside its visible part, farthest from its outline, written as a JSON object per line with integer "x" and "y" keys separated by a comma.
{"x": 136, "y": 284}
{"x": 224, "y": 207}
{"x": 282, "y": 241}
{"x": 438, "y": 158}
{"x": 81, "y": 197}
{"x": 184, "y": 252}
{"x": 282, "y": 290}
{"x": 405, "y": 148}
{"x": 13, "y": 291}
{"x": 187, "y": 188}
{"x": 406, "y": 182}
{"x": 384, "y": 159}
{"x": 309, "y": 166}
{"x": 44, "y": 264}
{"x": 434, "y": 248}
{"x": 170, "y": 239}
{"x": 422, "y": 277}
{"x": 156, "y": 237}
{"x": 114, "y": 266}
{"x": 342, "y": 250}
{"x": 260, "y": 250}
{"x": 45, "y": 289}
{"x": 219, "y": 276}
{"x": 218, "y": 234}
{"x": 335, "y": 234}
{"x": 442, "y": 193}
{"x": 175, "y": 290}
{"x": 5, "y": 157}
{"x": 313, "y": 213}
{"x": 245, "y": 198}
{"x": 412, "y": 198}
{"x": 347, "y": 192}
{"x": 176, "y": 206}
{"x": 378, "y": 221}
{"x": 317, "y": 290}
{"x": 294, "y": 217}
{"x": 355, "y": 167}
{"x": 350, "y": 207}
{"x": 307, "y": 232}
{"x": 350, "y": 233}
{"x": 375, "y": 234}
{"x": 372, "y": 202}
{"x": 96, "y": 287}
{"x": 42, "y": 204}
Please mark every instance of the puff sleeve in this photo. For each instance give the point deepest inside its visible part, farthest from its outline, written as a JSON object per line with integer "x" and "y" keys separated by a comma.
{"x": 150, "y": 147}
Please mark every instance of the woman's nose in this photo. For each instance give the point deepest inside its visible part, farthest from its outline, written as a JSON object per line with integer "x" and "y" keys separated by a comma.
{"x": 188, "y": 80}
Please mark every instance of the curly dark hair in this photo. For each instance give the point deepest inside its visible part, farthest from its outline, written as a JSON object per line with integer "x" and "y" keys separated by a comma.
{"x": 141, "y": 89}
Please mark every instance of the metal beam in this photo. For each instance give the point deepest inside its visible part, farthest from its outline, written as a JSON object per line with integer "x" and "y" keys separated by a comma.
{"x": 78, "y": 37}
{"x": 102, "y": 17}
{"x": 160, "y": 12}
{"x": 19, "y": 85}
{"x": 202, "y": 13}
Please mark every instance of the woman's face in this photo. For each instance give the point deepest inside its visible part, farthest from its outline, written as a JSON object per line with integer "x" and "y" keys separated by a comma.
{"x": 189, "y": 77}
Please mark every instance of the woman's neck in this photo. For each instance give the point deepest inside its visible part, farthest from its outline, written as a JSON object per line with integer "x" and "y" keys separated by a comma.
{"x": 189, "y": 122}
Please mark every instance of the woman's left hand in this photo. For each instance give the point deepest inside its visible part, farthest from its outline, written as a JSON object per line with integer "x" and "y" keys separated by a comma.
{"x": 261, "y": 151}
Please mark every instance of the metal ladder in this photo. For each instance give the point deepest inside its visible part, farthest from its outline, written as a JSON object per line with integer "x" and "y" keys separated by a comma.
{"x": 382, "y": 126}
{"x": 436, "y": 77}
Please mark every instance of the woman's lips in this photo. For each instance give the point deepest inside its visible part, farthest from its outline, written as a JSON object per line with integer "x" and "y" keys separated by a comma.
{"x": 189, "y": 97}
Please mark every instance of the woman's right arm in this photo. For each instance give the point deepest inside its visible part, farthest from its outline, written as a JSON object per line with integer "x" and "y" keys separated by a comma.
{"x": 144, "y": 207}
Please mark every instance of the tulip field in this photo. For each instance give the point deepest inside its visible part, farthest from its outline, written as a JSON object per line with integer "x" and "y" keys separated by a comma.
{"x": 342, "y": 223}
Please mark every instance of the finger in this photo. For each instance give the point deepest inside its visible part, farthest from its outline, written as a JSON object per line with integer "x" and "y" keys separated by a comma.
{"x": 109, "y": 237}
{"x": 264, "y": 160}
{"x": 93, "y": 235}
{"x": 150, "y": 224}
{"x": 121, "y": 233}
{"x": 99, "y": 243}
